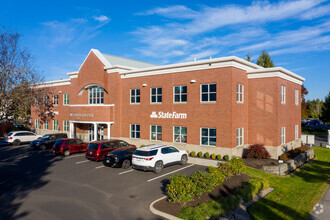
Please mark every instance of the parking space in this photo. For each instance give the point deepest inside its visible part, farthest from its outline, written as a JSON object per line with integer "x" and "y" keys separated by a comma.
{"x": 73, "y": 187}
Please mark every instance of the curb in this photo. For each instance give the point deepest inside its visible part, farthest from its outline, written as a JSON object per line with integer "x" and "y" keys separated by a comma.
{"x": 160, "y": 213}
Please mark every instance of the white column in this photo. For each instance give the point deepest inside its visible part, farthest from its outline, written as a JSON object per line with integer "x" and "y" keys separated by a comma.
{"x": 95, "y": 131}
{"x": 108, "y": 124}
{"x": 71, "y": 130}
{"x": 328, "y": 145}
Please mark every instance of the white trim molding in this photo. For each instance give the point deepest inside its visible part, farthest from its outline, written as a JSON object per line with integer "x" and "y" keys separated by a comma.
{"x": 62, "y": 82}
{"x": 73, "y": 75}
{"x": 91, "y": 105}
{"x": 91, "y": 122}
{"x": 99, "y": 56}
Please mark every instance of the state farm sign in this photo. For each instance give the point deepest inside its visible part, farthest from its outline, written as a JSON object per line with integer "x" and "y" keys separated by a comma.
{"x": 174, "y": 115}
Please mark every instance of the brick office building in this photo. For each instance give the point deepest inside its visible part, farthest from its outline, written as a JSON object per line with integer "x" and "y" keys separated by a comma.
{"x": 217, "y": 105}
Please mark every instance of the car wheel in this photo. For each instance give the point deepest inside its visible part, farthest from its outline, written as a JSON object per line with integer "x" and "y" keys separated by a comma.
{"x": 43, "y": 147}
{"x": 158, "y": 167}
{"x": 126, "y": 164}
{"x": 184, "y": 159}
{"x": 16, "y": 142}
{"x": 67, "y": 153}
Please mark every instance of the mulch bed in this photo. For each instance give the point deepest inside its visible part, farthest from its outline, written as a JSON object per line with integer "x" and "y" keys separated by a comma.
{"x": 223, "y": 190}
{"x": 258, "y": 163}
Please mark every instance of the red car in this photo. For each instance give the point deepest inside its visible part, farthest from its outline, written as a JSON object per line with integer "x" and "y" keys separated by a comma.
{"x": 68, "y": 146}
{"x": 98, "y": 149}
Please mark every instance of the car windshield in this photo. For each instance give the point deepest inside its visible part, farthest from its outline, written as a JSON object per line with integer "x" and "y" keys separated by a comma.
{"x": 145, "y": 153}
{"x": 45, "y": 137}
{"x": 93, "y": 146}
{"x": 9, "y": 134}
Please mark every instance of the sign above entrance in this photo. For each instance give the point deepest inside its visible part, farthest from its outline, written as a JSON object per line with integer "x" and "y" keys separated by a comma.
{"x": 174, "y": 115}
{"x": 81, "y": 115}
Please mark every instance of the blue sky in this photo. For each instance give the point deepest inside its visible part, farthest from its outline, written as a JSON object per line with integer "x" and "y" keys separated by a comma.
{"x": 61, "y": 33}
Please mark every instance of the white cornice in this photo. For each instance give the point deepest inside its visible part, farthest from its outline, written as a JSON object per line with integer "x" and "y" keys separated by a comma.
{"x": 191, "y": 66}
{"x": 99, "y": 56}
{"x": 91, "y": 105}
{"x": 73, "y": 75}
{"x": 92, "y": 122}
{"x": 62, "y": 82}
{"x": 118, "y": 69}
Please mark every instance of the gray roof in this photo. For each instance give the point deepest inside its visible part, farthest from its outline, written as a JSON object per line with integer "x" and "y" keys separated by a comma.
{"x": 114, "y": 60}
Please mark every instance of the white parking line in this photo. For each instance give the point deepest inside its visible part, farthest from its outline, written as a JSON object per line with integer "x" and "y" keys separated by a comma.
{"x": 125, "y": 172}
{"x": 170, "y": 173}
{"x": 99, "y": 167}
{"x": 84, "y": 161}
{"x": 74, "y": 156}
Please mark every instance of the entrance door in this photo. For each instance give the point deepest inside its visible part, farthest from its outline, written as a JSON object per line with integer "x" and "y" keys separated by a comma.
{"x": 90, "y": 132}
{"x": 100, "y": 132}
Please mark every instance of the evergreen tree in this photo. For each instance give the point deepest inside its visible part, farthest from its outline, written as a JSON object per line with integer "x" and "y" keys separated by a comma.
{"x": 265, "y": 60}
{"x": 326, "y": 109}
{"x": 304, "y": 106}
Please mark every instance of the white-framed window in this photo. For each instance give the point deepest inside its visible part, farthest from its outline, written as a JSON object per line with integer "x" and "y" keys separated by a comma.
{"x": 135, "y": 131}
{"x": 209, "y": 136}
{"x": 46, "y": 125}
{"x": 65, "y": 125}
{"x": 180, "y": 94}
{"x": 36, "y": 121}
{"x": 96, "y": 95}
{"x": 65, "y": 99}
{"x": 239, "y": 136}
{"x": 282, "y": 135}
{"x": 55, "y": 100}
{"x": 283, "y": 94}
{"x": 156, "y": 95}
{"x": 209, "y": 92}
{"x": 296, "y": 97}
{"x": 180, "y": 134}
{"x": 135, "y": 96}
{"x": 240, "y": 93}
{"x": 46, "y": 98}
{"x": 55, "y": 125}
{"x": 156, "y": 132}
{"x": 36, "y": 102}
{"x": 296, "y": 131}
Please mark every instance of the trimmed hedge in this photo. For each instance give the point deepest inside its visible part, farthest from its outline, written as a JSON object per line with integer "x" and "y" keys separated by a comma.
{"x": 207, "y": 155}
{"x": 213, "y": 156}
{"x": 200, "y": 154}
{"x": 193, "y": 154}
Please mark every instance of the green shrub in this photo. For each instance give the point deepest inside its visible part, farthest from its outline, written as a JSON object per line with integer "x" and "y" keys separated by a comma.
{"x": 203, "y": 181}
{"x": 226, "y": 170}
{"x": 193, "y": 154}
{"x": 207, "y": 155}
{"x": 219, "y": 157}
{"x": 142, "y": 145}
{"x": 250, "y": 188}
{"x": 180, "y": 189}
{"x": 238, "y": 165}
{"x": 217, "y": 175}
{"x": 226, "y": 158}
{"x": 213, "y": 156}
{"x": 188, "y": 152}
{"x": 200, "y": 154}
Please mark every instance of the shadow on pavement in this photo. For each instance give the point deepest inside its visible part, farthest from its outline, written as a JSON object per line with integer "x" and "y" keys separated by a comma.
{"x": 21, "y": 171}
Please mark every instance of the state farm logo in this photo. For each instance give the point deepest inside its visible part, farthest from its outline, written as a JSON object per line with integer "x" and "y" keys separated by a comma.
{"x": 174, "y": 115}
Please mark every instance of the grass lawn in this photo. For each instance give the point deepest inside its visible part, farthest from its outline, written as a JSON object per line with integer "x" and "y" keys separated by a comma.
{"x": 295, "y": 195}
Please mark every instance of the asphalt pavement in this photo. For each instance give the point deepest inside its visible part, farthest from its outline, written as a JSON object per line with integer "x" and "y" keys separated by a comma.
{"x": 38, "y": 185}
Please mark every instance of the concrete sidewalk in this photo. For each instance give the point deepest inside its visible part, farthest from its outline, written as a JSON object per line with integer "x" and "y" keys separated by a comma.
{"x": 322, "y": 209}
{"x": 204, "y": 162}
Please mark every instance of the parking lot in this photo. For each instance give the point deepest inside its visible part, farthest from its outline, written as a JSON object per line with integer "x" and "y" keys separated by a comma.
{"x": 38, "y": 185}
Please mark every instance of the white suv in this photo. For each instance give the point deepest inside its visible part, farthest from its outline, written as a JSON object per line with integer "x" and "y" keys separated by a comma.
{"x": 155, "y": 157}
{"x": 18, "y": 137}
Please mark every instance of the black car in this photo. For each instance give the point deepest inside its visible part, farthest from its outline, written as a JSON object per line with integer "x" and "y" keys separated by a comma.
{"x": 122, "y": 157}
{"x": 47, "y": 141}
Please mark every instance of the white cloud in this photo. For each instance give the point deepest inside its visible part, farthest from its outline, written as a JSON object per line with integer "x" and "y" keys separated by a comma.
{"x": 176, "y": 11}
{"x": 102, "y": 18}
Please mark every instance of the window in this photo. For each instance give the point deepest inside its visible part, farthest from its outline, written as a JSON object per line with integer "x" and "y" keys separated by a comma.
{"x": 36, "y": 102}
{"x": 65, "y": 125}
{"x": 46, "y": 125}
{"x": 156, "y": 95}
{"x": 240, "y": 136}
{"x": 209, "y": 93}
{"x": 283, "y": 94}
{"x": 180, "y": 134}
{"x": 296, "y": 96}
{"x": 180, "y": 94}
{"x": 96, "y": 95}
{"x": 55, "y": 125}
{"x": 55, "y": 99}
{"x": 208, "y": 136}
{"x": 135, "y": 96}
{"x": 46, "y": 98}
{"x": 37, "y": 124}
{"x": 65, "y": 99}
{"x": 240, "y": 93}
{"x": 135, "y": 131}
{"x": 282, "y": 135}
{"x": 156, "y": 132}
{"x": 296, "y": 131}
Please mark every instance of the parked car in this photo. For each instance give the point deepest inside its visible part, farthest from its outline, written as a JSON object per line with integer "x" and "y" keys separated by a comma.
{"x": 18, "y": 125}
{"x": 97, "y": 149}
{"x": 155, "y": 157}
{"x": 121, "y": 157}
{"x": 47, "y": 141}
{"x": 18, "y": 137}
{"x": 65, "y": 146}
